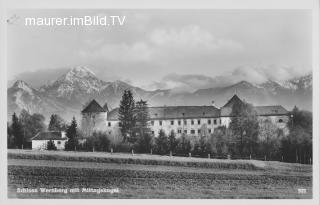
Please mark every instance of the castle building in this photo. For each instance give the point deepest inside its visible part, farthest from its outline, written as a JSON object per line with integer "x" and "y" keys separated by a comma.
{"x": 190, "y": 120}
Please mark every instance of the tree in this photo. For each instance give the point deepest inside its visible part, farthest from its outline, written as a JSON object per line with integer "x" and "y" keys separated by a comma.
{"x": 245, "y": 128}
{"x": 72, "y": 136}
{"x": 51, "y": 145}
{"x": 162, "y": 143}
{"x": 56, "y": 123}
{"x": 10, "y": 138}
{"x": 141, "y": 114}
{"x": 297, "y": 146}
{"x": 269, "y": 139}
{"x": 144, "y": 143}
{"x": 219, "y": 141}
{"x": 99, "y": 141}
{"x": 31, "y": 125}
{"x": 126, "y": 115}
{"x": 172, "y": 141}
{"x": 184, "y": 145}
{"x": 17, "y": 132}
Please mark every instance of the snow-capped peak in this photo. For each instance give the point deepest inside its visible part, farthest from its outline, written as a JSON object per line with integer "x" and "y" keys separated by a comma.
{"x": 22, "y": 85}
{"x": 79, "y": 72}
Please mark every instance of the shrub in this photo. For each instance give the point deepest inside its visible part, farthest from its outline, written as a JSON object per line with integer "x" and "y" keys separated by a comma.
{"x": 51, "y": 145}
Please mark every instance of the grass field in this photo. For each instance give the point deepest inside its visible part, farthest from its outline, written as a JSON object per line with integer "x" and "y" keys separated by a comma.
{"x": 152, "y": 176}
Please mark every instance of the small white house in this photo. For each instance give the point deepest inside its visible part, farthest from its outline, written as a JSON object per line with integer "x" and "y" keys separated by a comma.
{"x": 40, "y": 140}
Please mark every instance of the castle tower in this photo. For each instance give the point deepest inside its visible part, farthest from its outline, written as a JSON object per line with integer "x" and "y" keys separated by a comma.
{"x": 93, "y": 118}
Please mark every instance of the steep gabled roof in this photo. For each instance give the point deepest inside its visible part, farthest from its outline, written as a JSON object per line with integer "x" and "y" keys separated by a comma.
{"x": 271, "y": 110}
{"x": 49, "y": 136}
{"x": 175, "y": 112}
{"x": 93, "y": 107}
{"x": 232, "y": 101}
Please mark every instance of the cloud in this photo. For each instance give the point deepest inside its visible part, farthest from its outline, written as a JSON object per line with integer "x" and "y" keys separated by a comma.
{"x": 260, "y": 74}
{"x": 191, "y": 37}
{"x": 163, "y": 45}
{"x": 252, "y": 74}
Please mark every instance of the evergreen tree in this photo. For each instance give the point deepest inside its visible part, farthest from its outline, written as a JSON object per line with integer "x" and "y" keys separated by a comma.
{"x": 10, "y": 138}
{"x": 17, "y": 132}
{"x": 141, "y": 112}
{"x": 51, "y": 145}
{"x": 172, "y": 142}
{"x": 72, "y": 136}
{"x": 126, "y": 115}
{"x": 56, "y": 123}
{"x": 162, "y": 143}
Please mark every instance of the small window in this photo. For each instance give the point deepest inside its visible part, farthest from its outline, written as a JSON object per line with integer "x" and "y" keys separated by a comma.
{"x": 152, "y": 123}
{"x": 179, "y": 122}
{"x": 199, "y": 131}
{"x": 172, "y": 122}
{"x": 215, "y": 121}
{"x": 186, "y": 131}
{"x": 109, "y": 132}
{"x": 152, "y": 132}
{"x": 199, "y": 121}
{"x": 209, "y": 130}
{"x": 120, "y": 124}
{"x": 192, "y": 122}
{"x": 109, "y": 124}
{"x": 209, "y": 122}
{"x": 179, "y": 131}
{"x": 280, "y": 120}
{"x": 192, "y": 131}
{"x": 59, "y": 142}
{"x": 160, "y": 122}
{"x": 185, "y": 122}
{"x": 220, "y": 121}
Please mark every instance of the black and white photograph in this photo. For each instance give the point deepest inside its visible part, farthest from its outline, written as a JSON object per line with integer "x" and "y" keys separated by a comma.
{"x": 159, "y": 103}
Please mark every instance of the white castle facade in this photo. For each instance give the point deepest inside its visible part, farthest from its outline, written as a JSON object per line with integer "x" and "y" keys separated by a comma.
{"x": 190, "y": 120}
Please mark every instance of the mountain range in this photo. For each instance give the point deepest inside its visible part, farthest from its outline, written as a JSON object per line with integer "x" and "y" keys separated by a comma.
{"x": 68, "y": 94}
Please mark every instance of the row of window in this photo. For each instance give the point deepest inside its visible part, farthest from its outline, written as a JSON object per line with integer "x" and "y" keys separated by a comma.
{"x": 192, "y": 131}
{"x": 192, "y": 122}
{"x": 172, "y": 122}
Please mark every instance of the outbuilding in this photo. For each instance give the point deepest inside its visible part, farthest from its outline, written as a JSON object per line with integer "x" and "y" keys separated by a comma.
{"x": 40, "y": 140}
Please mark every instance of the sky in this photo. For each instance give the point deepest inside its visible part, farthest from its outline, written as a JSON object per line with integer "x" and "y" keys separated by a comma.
{"x": 160, "y": 49}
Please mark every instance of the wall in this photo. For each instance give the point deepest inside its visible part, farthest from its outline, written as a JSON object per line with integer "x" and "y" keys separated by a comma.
{"x": 167, "y": 126}
{"x": 42, "y": 144}
{"x": 93, "y": 122}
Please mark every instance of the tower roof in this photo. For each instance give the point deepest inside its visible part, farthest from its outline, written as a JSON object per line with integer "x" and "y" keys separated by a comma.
{"x": 93, "y": 106}
{"x": 233, "y": 100}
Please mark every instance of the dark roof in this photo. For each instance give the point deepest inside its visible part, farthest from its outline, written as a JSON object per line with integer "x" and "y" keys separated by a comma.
{"x": 49, "y": 136}
{"x": 93, "y": 107}
{"x": 233, "y": 100}
{"x": 271, "y": 110}
{"x": 175, "y": 112}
